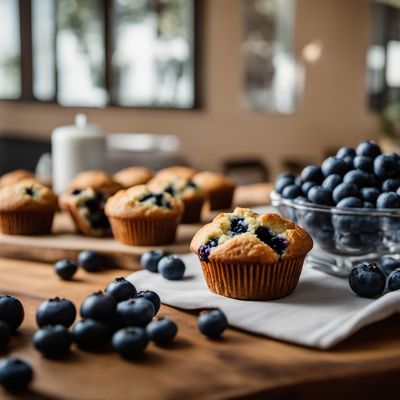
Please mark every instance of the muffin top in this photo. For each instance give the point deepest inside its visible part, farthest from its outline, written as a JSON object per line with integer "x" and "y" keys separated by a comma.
{"x": 140, "y": 201}
{"x": 27, "y": 195}
{"x": 212, "y": 181}
{"x": 97, "y": 180}
{"x": 177, "y": 171}
{"x": 180, "y": 187}
{"x": 133, "y": 176}
{"x": 15, "y": 176}
{"x": 247, "y": 237}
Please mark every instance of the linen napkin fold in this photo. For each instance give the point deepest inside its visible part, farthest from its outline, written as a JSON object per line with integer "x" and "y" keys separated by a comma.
{"x": 320, "y": 313}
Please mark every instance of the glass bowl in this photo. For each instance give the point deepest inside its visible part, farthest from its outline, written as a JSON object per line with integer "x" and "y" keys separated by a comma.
{"x": 343, "y": 238}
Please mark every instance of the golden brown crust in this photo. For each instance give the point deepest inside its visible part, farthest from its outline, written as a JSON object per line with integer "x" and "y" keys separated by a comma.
{"x": 16, "y": 176}
{"x": 177, "y": 171}
{"x": 133, "y": 176}
{"x": 211, "y": 181}
{"x": 98, "y": 180}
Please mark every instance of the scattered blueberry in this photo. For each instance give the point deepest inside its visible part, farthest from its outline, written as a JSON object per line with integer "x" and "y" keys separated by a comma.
{"x": 345, "y": 190}
{"x": 394, "y": 280}
{"x": 388, "y": 200}
{"x": 65, "y": 269}
{"x": 364, "y": 163}
{"x": 151, "y": 259}
{"x": 162, "y": 331}
{"x": 151, "y": 296}
{"x": 15, "y": 374}
{"x": 172, "y": 268}
{"x": 212, "y": 323}
{"x": 331, "y": 181}
{"x": 312, "y": 173}
{"x": 11, "y": 311}
{"x": 5, "y": 333}
{"x": 56, "y": 311}
{"x": 130, "y": 342}
{"x": 367, "y": 280}
{"x": 99, "y": 306}
{"x": 320, "y": 195}
{"x": 121, "y": 289}
{"x": 53, "y": 341}
{"x": 350, "y": 202}
{"x": 388, "y": 264}
{"x": 386, "y": 166}
{"x": 369, "y": 149}
{"x": 90, "y": 334}
{"x": 334, "y": 165}
{"x": 135, "y": 312}
{"x": 90, "y": 261}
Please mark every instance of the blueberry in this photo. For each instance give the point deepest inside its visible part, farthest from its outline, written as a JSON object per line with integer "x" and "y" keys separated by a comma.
{"x": 368, "y": 148}
{"x": 11, "y": 311}
{"x": 238, "y": 226}
{"x": 370, "y": 194}
{"x": 292, "y": 191}
{"x": 312, "y": 173}
{"x": 285, "y": 175}
{"x": 364, "y": 163}
{"x": 388, "y": 264}
{"x": 212, "y": 323}
{"x": 135, "y": 312}
{"x": 172, "y": 268}
{"x": 5, "y": 333}
{"x": 281, "y": 183}
{"x": 320, "y": 195}
{"x": 65, "y": 269}
{"x": 277, "y": 243}
{"x": 99, "y": 306}
{"x": 150, "y": 260}
{"x": 162, "y": 331}
{"x": 15, "y": 374}
{"x": 301, "y": 199}
{"x": 344, "y": 152}
{"x": 349, "y": 160}
{"x": 314, "y": 220}
{"x": 394, "y": 280}
{"x": 334, "y": 165}
{"x": 56, "y": 311}
{"x": 344, "y": 190}
{"x": 385, "y": 166}
{"x": 350, "y": 202}
{"x": 90, "y": 261}
{"x": 390, "y": 185}
{"x": 90, "y": 334}
{"x": 121, "y": 289}
{"x": 151, "y": 296}
{"x": 359, "y": 178}
{"x": 306, "y": 186}
{"x": 53, "y": 341}
{"x": 367, "y": 204}
{"x": 130, "y": 342}
{"x": 367, "y": 280}
{"x": 205, "y": 249}
{"x": 298, "y": 181}
{"x": 331, "y": 181}
{"x": 388, "y": 200}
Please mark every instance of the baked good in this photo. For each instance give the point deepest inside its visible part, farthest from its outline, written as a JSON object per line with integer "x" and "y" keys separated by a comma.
{"x": 16, "y": 176}
{"x": 85, "y": 200}
{"x": 26, "y": 208}
{"x": 185, "y": 189}
{"x": 177, "y": 171}
{"x": 133, "y": 176}
{"x": 249, "y": 256}
{"x": 219, "y": 189}
{"x": 139, "y": 216}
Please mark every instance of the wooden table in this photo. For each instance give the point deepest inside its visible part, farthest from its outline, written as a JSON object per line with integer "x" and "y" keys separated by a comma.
{"x": 238, "y": 366}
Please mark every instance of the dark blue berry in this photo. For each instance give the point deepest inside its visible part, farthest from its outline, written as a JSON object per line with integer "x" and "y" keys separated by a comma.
{"x": 320, "y": 195}
{"x": 15, "y": 374}
{"x": 368, "y": 148}
{"x": 121, "y": 289}
{"x": 90, "y": 261}
{"x": 205, "y": 249}
{"x": 277, "y": 243}
{"x": 349, "y": 160}
{"x": 394, "y": 280}
{"x": 162, "y": 331}
{"x": 5, "y": 333}
{"x": 53, "y": 341}
{"x": 346, "y": 152}
{"x": 390, "y": 185}
{"x": 212, "y": 323}
{"x": 239, "y": 226}
{"x": 367, "y": 280}
{"x": 281, "y": 183}
{"x": 334, "y": 165}
{"x": 90, "y": 334}
{"x": 350, "y": 202}
{"x": 150, "y": 259}
{"x": 172, "y": 268}
{"x": 30, "y": 191}
{"x": 99, "y": 306}
{"x": 56, "y": 311}
{"x": 65, "y": 269}
{"x": 364, "y": 163}
{"x": 388, "y": 200}
{"x": 75, "y": 192}
{"x": 312, "y": 173}
{"x": 285, "y": 175}
{"x": 385, "y": 167}
{"x": 306, "y": 186}
{"x": 359, "y": 178}
{"x": 151, "y": 296}
{"x": 135, "y": 312}
{"x": 332, "y": 181}
{"x": 292, "y": 191}
{"x": 367, "y": 204}
{"x": 388, "y": 264}
{"x": 11, "y": 311}
{"x": 130, "y": 342}
{"x": 345, "y": 190}
{"x": 370, "y": 194}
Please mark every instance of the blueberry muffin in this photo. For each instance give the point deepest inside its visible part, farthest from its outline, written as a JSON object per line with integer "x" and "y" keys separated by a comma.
{"x": 139, "y": 216}
{"x": 133, "y": 176}
{"x": 16, "y": 176}
{"x": 219, "y": 189}
{"x": 26, "y": 208}
{"x": 185, "y": 189}
{"x": 177, "y": 171}
{"x": 251, "y": 256}
{"x": 85, "y": 201}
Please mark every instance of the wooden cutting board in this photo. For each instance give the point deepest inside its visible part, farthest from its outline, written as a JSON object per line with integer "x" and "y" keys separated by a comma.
{"x": 66, "y": 243}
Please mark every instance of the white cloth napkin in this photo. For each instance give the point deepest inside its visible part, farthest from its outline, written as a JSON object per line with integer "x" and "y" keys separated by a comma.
{"x": 321, "y": 312}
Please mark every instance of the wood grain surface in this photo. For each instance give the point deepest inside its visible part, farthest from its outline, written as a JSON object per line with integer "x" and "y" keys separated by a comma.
{"x": 238, "y": 366}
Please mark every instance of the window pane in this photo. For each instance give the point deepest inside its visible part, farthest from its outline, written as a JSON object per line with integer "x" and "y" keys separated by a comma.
{"x": 153, "y": 53}
{"x": 80, "y": 53}
{"x": 43, "y": 31}
{"x": 10, "y": 62}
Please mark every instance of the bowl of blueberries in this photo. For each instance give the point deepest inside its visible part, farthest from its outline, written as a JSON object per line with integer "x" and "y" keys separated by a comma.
{"x": 350, "y": 205}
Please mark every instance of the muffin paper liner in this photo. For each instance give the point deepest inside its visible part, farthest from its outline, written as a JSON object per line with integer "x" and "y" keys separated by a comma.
{"x": 33, "y": 222}
{"x": 145, "y": 232}
{"x": 221, "y": 199}
{"x": 253, "y": 281}
{"x": 192, "y": 210}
